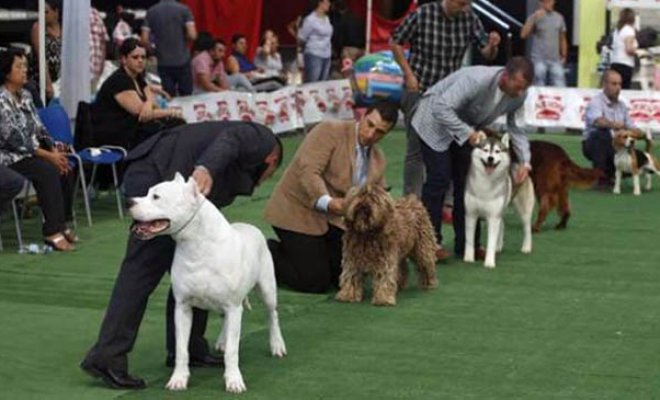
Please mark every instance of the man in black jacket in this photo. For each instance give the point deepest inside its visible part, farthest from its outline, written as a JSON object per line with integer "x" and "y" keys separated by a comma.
{"x": 226, "y": 159}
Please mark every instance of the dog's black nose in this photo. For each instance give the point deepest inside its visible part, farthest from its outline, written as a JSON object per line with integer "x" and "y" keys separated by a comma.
{"x": 130, "y": 202}
{"x": 490, "y": 160}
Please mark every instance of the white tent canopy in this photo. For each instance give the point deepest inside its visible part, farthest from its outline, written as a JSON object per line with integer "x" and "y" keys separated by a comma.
{"x": 640, "y": 4}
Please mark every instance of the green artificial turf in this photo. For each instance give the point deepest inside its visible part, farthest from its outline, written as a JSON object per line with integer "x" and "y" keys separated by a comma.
{"x": 576, "y": 319}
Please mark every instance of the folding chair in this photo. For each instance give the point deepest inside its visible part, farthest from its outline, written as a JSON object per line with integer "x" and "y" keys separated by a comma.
{"x": 18, "y": 217}
{"x": 58, "y": 125}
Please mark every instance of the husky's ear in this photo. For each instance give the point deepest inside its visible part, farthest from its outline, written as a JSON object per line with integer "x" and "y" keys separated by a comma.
{"x": 178, "y": 178}
{"x": 506, "y": 139}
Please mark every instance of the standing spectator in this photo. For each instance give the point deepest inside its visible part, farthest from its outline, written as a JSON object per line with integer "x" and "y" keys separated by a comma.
{"x": 53, "y": 46}
{"x": 98, "y": 37}
{"x": 428, "y": 30}
{"x": 27, "y": 149}
{"x": 124, "y": 28}
{"x": 624, "y": 44}
{"x": 316, "y": 35}
{"x": 549, "y": 44}
{"x": 448, "y": 120}
{"x": 171, "y": 25}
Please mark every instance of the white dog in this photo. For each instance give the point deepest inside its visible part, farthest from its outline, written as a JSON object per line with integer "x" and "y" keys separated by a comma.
{"x": 215, "y": 266}
{"x": 488, "y": 191}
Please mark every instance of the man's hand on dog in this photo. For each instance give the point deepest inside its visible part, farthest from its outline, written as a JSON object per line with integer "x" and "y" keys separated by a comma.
{"x": 522, "y": 172}
{"x": 203, "y": 179}
{"x": 476, "y": 137}
{"x": 336, "y": 206}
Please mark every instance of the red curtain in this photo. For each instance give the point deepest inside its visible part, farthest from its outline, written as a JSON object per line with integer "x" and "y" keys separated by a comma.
{"x": 225, "y": 18}
{"x": 381, "y": 28}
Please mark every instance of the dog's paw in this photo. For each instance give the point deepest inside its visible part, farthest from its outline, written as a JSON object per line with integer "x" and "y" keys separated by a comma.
{"x": 235, "y": 384}
{"x": 178, "y": 381}
{"x": 468, "y": 258}
{"x": 616, "y": 191}
{"x": 489, "y": 263}
{"x": 278, "y": 348}
{"x": 637, "y": 193}
{"x": 348, "y": 296}
{"x": 388, "y": 301}
{"x": 526, "y": 249}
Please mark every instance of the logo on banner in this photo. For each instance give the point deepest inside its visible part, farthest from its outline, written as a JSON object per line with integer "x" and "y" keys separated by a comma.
{"x": 222, "y": 114}
{"x": 583, "y": 107}
{"x": 266, "y": 114}
{"x": 549, "y": 107}
{"x": 283, "y": 109}
{"x": 641, "y": 110}
{"x": 245, "y": 113}
{"x": 200, "y": 112}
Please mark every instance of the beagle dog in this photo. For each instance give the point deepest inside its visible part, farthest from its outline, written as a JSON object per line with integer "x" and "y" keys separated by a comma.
{"x": 628, "y": 159}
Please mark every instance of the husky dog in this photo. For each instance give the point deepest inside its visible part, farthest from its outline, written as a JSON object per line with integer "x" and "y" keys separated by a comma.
{"x": 215, "y": 266}
{"x": 488, "y": 191}
{"x": 628, "y": 159}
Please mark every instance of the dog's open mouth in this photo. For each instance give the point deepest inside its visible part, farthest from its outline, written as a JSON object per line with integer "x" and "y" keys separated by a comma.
{"x": 148, "y": 229}
{"x": 490, "y": 166}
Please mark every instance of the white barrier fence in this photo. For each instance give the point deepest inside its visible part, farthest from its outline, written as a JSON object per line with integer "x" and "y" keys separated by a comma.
{"x": 294, "y": 107}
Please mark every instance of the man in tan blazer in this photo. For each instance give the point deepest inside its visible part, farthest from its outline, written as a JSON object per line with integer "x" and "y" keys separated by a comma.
{"x": 307, "y": 204}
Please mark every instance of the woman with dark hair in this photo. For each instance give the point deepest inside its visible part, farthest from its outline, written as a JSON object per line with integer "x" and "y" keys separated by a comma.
{"x": 26, "y": 148}
{"x": 624, "y": 44}
{"x": 316, "y": 35}
{"x": 125, "y": 112}
{"x": 53, "y": 46}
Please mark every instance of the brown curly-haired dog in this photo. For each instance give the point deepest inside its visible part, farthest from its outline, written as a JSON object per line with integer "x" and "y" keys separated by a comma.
{"x": 380, "y": 234}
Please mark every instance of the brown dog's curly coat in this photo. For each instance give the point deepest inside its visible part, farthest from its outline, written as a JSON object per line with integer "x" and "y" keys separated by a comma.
{"x": 380, "y": 234}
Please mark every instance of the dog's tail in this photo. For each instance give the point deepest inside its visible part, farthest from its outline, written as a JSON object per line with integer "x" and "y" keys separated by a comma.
{"x": 579, "y": 177}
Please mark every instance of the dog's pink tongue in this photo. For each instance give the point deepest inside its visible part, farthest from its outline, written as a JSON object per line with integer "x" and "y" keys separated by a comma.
{"x": 490, "y": 170}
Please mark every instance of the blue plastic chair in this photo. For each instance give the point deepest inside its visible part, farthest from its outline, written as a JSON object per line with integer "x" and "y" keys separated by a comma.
{"x": 57, "y": 122}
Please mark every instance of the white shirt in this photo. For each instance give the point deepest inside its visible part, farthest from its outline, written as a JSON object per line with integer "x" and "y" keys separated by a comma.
{"x": 619, "y": 54}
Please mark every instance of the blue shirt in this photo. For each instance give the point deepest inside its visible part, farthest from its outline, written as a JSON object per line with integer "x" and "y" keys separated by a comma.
{"x": 601, "y": 106}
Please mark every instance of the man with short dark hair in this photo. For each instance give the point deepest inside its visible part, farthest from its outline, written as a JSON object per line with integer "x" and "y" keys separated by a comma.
{"x": 448, "y": 120}
{"x": 307, "y": 205}
{"x": 171, "y": 26}
{"x": 439, "y": 34}
{"x": 226, "y": 159}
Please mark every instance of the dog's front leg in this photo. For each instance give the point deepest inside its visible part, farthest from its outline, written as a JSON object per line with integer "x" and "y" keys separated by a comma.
{"x": 648, "y": 181}
{"x": 636, "y": 188}
{"x": 233, "y": 378}
{"x": 470, "y": 229}
{"x": 350, "y": 282}
{"x": 182, "y": 325}
{"x": 617, "y": 182}
{"x": 493, "y": 233}
{"x": 222, "y": 337}
{"x": 385, "y": 282}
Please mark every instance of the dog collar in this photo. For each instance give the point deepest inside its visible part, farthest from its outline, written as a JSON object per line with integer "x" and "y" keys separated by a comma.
{"x": 189, "y": 220}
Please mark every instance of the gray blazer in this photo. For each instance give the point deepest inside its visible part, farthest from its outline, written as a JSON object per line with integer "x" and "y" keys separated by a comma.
{"x": 463, "y": 102}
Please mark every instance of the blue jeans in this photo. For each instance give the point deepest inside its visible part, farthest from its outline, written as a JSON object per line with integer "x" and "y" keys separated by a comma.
{"x": 177, "y": 81}
{"x": 316, "y": 68}
{"x": 551, "y": 72}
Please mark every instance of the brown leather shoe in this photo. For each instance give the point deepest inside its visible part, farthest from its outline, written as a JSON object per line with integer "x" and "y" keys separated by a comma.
{"x": 441, "y": 254}
{"x": 480, "y": 254}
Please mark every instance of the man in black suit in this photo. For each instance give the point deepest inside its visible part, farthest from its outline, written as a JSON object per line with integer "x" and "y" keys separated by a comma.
{"x": 226, "y": 159}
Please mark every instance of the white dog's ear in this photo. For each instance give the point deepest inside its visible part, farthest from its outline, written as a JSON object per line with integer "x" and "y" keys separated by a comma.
{"x": 506, "y": 139}
{"x": 178, "y": 178}
{"x": 192, "y": 185}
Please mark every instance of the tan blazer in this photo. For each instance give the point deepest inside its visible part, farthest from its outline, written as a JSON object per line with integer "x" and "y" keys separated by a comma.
{"x": 323, "y": 164}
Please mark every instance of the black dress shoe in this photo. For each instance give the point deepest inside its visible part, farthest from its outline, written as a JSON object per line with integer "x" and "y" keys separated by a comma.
{"x": 207, "y": 360}
{"x": 113, "y": 378}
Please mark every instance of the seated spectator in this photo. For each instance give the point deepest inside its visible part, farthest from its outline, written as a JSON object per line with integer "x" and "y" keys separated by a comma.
{"x": 124, "y": 28}
{"x": 606, "y": 114}
{"x": 11, "y": 183}
{"x": 125, "y": 112}
{"x": 238, "y": 63}
{"x": 209, "y": 71}
{"x": 268, "y": 58}
{"x": 27, "y": 149}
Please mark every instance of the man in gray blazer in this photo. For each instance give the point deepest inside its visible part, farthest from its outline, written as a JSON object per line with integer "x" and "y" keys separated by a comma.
{"x": 448, "y": 119}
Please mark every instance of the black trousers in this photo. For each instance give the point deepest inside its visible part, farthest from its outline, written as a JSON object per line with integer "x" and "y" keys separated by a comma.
{"x": 143, "y": 267}
{"x": 11, "y": 183}
{"x": 54, "y": 192}
{"x": 626, "y": 73}
{"x": 598, "y": 149}
{"x": 443, "y": 168}
{"x": 307, "y": 263}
